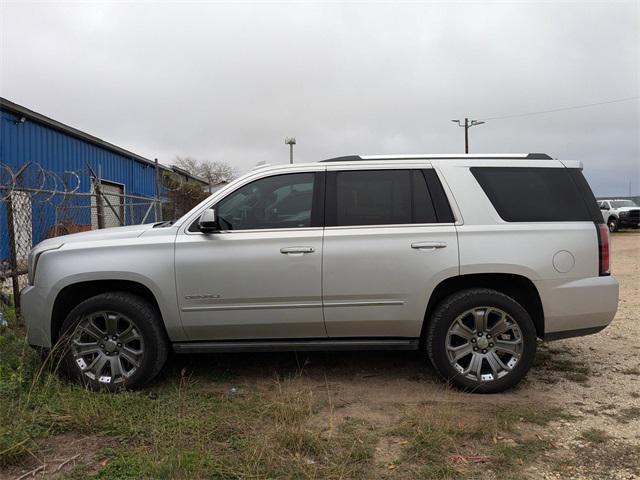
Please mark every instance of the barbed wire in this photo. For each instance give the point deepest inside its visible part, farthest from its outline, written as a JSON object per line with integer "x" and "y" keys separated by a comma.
{"x": 32, "y": 179}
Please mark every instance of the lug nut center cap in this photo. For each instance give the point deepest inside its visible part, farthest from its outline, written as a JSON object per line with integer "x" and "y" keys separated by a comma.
{"x": 483, "y": 342}
{"x": 110, "y": 346}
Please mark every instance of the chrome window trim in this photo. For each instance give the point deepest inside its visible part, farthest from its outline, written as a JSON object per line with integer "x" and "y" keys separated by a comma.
{"x": 389, "y": 225}
{"x": 257, "y": 230}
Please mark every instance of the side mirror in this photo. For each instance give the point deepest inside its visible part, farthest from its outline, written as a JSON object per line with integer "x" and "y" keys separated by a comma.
{"x": 603, "y": 207}
{"x": 208, "y": 222}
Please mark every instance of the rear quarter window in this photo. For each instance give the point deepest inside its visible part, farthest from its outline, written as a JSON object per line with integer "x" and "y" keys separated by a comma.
{"x": 523, "y": 194}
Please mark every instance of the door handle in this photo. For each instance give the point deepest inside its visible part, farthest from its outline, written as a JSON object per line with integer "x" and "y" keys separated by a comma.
{"x": 296, "y": 250}
{"x": 428, "y": 245}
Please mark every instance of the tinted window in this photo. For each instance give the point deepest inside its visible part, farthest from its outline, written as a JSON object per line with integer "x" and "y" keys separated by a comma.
{"x": 281, "y": 201}
{"x": 378, "y": 197}
{"x": 538, "y": 194}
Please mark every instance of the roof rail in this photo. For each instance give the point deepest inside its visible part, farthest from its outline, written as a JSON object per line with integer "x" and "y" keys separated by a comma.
{"x": 511, "y": 156}
{"x": 346, "y": 158}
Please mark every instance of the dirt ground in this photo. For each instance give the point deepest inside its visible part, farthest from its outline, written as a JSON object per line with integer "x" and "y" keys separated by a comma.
{"x": 594, "y": 379}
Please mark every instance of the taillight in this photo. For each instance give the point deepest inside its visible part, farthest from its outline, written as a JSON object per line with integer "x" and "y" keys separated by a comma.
{"x": 603, "y": 248}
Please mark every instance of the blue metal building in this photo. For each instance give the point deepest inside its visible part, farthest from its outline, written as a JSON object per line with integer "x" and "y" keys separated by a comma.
{"x": 27, "y": 136}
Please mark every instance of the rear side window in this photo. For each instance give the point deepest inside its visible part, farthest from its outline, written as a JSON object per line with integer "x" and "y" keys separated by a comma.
{"x": 379, "y": 197}
{"x": 521, "y": 194}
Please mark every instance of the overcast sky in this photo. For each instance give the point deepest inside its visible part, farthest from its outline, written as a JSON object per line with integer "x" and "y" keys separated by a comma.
{"x": 228, "y": 81}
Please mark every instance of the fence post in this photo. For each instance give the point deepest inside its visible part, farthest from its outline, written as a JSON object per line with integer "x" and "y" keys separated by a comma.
{"x": 97, "y": 191}
{"x": 13, "y": 256}
{"x": 157, "y": 202}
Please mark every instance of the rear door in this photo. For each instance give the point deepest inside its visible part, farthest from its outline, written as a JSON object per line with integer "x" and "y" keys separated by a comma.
{"x": 389, "y": 240}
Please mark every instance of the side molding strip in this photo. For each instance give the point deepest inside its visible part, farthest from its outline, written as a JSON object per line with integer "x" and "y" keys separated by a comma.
{"x": 295, "y": 345}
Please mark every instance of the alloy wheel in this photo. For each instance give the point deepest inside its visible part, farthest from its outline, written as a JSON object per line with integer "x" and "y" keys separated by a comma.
{"x": 484, "y": 344}
{"x": 107, "y": 347}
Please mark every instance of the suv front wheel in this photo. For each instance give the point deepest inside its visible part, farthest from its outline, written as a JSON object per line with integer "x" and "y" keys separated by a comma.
{"x": 113, "y": 341}
{"x": 481, "y": 340}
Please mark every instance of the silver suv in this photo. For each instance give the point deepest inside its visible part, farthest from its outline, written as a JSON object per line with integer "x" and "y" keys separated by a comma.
{"x": 470, "y": 258}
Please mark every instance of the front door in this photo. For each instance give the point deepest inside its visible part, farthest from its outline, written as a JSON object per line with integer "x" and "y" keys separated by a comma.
{"x": 259, "y": 277}
{"x": 389, "y": 240}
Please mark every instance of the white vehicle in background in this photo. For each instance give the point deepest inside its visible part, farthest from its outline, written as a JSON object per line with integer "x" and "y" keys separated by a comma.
{"x": 620, "y": 213}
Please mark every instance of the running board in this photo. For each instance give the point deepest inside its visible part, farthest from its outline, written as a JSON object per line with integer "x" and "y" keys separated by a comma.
{"x": 295, "y": 345}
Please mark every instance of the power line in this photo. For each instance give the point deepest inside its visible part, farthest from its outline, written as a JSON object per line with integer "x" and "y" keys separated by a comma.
{"x": 573, "y": 107}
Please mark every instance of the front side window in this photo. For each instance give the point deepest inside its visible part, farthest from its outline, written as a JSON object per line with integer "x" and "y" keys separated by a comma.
{"x": 378, "y": 197}
{"x": 281, "y": 201}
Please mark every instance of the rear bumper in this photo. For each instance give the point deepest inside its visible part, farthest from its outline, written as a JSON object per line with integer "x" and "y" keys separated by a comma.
{"x": 577, "y": 307}
{"x": 36, "y": 315}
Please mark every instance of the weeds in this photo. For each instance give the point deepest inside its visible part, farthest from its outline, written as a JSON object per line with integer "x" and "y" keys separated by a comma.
{"x": 631, "y": 371}
{"x": 555, "y": 361}
{"x": 595, "y": 435}
{"x": 182, "y": 430}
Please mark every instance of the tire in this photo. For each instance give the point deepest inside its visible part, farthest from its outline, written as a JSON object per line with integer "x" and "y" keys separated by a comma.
{"x": 132, "y": 347}
{"x": 454, "y": 325}
{"x": 613, "y": 224}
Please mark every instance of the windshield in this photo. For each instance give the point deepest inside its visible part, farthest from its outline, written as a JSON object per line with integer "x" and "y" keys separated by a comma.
{"x": 623, "y": 203}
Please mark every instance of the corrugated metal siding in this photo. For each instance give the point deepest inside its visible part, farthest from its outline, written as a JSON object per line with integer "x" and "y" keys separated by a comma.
{"x": 57, "y": 151}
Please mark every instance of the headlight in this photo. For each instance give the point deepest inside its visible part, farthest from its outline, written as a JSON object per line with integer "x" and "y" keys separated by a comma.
{"x": 624, "y": 214}
{"x": 32, "y": 260}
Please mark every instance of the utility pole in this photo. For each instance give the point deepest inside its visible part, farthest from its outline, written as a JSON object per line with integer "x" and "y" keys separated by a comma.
{"x": 467, "y": 125}
{"x": 291, "y": 141}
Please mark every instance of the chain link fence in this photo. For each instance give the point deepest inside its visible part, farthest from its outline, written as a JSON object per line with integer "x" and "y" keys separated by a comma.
{"x": 36, "y": 204}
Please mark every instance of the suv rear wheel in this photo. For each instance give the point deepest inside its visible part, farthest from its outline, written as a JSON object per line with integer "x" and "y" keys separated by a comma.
{"x": 481, "y": 340}
{"x": 113, "y": 341}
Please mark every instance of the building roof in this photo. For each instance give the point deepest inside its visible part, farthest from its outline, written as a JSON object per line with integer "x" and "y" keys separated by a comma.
{"x": 182, "y": 171}
{"x": 20, "y": 110}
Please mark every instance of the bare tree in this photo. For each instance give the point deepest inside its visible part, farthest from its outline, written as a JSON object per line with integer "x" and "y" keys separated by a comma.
{"x": 213, "y": 172}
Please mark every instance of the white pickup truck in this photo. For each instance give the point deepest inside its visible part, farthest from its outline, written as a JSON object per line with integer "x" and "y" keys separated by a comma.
{"x": 620, "y": 213}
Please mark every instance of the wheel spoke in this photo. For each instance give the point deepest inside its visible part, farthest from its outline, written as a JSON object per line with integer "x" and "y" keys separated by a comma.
{"x": 480, "y": 319}
{"x": 92, "y": 329}
{"x": 111, "y": 321}
{"x": 131, "y": 356}
{"x": 129, "y": 335}
{"x": 459, "y": 352}
{"x": 461, "y": 330}
{"x": 85, "y": 348}
{"x": 500, "y": 326}
{"x": 475, "y": 366}
{"x": 98, "y": 364}
{"x": 508, "y": 346}
{"x": 495, "y": 364}
{"x": 116, "y": 367}
{"x": 493, "y": 357}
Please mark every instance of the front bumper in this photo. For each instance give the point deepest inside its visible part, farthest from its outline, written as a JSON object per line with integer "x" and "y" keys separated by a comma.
{"x": 575, "y": 307}
{"x": 628, "y": 222}
{"x": 37, "y": 316}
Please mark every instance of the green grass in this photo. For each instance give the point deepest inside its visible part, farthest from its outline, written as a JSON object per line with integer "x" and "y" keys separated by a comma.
{"x": 439, "y": 434}
{"x": 595, "y": 435}
{"x": 556, "y": 362}
{"x": 182, "y": 431}
{"x": 181, "y": 428}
